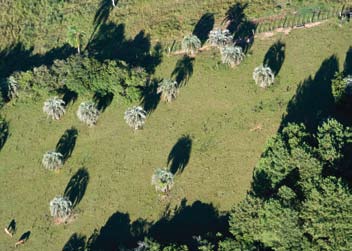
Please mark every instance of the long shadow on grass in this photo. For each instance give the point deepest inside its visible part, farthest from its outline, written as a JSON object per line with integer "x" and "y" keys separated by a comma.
{"x": 313, "y": 100}
{"x": 275, "y": 57}
{"x": 178, "y": 225}
{"x": 4, "y": 132}
{"x": 110, "y": 42}
{"x": 76, "y": 242}
{"x": 77, "y": 186}
{"x": 183, "y": 70}
{"x": 150, "y": 97}
{"x": 240, "y": 26}
{"x": 348, "y": 62}
{"x": 204, "y": 26}
{"x": 102, "y": 14}
{"x": 180, "y": 154}
{"x": 67, "y": 143}
{"x": 103, "y": 100}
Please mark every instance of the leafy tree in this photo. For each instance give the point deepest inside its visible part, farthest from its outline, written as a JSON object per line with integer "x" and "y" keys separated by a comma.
{"x": 75, "y": 37}
{"x": 191, "y": 44}
{"x": 168, "y": 89}
{"x": 88, "y": 113}
{"x": 54, "y": 108}
{"x": 263, "y": 76}
{"x": 10, "y": 88}
{"x": 327, "y": 215}
{"x": 232, "y": 55}
{"x": 341, "y": 87}
{"x": 135, "y": 117}
{"x": 220, "y": 38}
{"x": 52, "y": 160}
{"x": 60, "y": 208}
{"x": 163, "y": 180}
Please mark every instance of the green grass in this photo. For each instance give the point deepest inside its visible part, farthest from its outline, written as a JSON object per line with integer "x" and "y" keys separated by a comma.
{"x": 217, "y": 108}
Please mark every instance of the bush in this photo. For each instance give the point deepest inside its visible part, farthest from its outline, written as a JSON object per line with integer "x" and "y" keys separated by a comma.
{"x": 263, "y": 76}
{"x": 168, "y": 89}
{"x": 54, "y": 108}
{"x": 135, "y": 117}
{"x": 88, "y": 113}
{"x": 191, "y": 44}
{"x": 232, "y": 55}
{"x": 52, "y": 160}
{"x": 220, "y": 38}
{"x": 60, "y": 208}
{"x": 341, "y": 87}
{"x": 9, "y": 88}
{"x": 163, "y": 180}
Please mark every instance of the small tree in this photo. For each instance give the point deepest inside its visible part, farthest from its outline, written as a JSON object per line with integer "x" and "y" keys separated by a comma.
{"x": 10, "y": 88}
{"x": 263, "y": 76}
{"x": 168, "y": 89}
{"x": 191, "y": 44}
{"x": 341, "y": 87}
{"x": 52, "y": 160}
{"x": 88, "y": 113}
{"x": 135, "y": 117}
{"x": 60, "y": 209}
{"x": 163, "y": 180}
{"x": 54, "y": 108}
{"x": 232, "y": 55}
{"x": 75, "y": 37}
{"x": 220, "y": 38}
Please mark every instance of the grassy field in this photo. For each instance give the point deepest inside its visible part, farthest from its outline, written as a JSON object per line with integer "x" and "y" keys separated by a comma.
{"x": 217, "y": 108}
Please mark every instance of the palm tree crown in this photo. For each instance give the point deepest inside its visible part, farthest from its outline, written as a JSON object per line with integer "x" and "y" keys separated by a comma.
{"x": 88, "y": 113}
{"x": 135, "y": 117}
{"x": 232, "y": 55}
{"x": 191, "y": 44}
{"x": 52, "y": 160}
{"x": 163, "y": 180}
{"x": 263, "y": 76}
{"x": 54, "y": 108}
{"x": 220, "y": 38}
{"x": 168, "y": 89}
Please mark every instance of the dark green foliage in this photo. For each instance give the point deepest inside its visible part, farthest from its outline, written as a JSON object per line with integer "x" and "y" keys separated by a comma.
{"x": 4, "y": 131}
{"x": 327, "y": 215}
{"x": 338, "y": 86}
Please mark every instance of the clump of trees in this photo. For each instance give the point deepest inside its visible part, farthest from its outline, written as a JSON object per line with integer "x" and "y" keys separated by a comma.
{"x": 191, "y": 44}
{"x": 168, "y": 89}
{"x": 88, "y": 113}
{"x": 220, "y": 38}
{"x": 60, "y": 209}
{"x": 52, "y": 160}
{"x": 232, "y": 55}
{"x": 162, "y": 180}
{"x": 54, "y": 108}
{"x": 263, "y": 76}
{"x": 135, "y": 117}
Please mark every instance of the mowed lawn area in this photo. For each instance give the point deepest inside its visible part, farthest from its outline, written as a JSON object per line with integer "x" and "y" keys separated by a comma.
{"x": 226, "y": 116}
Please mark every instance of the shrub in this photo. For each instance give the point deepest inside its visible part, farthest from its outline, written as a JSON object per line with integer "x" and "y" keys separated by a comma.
{"x": 9, "y": 87}
{"x": 191, "y": 44}
{"x": 168, "y": 89}
{"x": 54, "y": 108}
{"x": 341, "y": 87}
{"x": 135, "y": 117}
{"x": 52, "y": 160}
{"x": 220, "y": 38}
{"x": 232, "y": 55}
{"x": 60, "y": 208}
{"x": 88, "y": 113}
{"x": 163, "y": 180}
{"x": 263, "y": 76}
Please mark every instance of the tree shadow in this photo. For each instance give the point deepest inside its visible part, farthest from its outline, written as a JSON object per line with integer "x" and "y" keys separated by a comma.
{"x": 102, "y": 14}
{"x": 103, "y": 100}
{"x": 25, "y": 236}
{"x": 238, "y": 24}
{"x": 69, "y": 97}
{"x": 110, "y": 42}
{"x": 180, "y": 154}
{"x": 76, "y": 242}
{"x": 12, "y": 227}
{"x": 77, "y": 186}
{"x": 183, "y": 70}
{"x": 150, "y": 97}
{"x": 4, "y": 132}
{"x": 67, "y": 143}
{"x": 313, "y": 100}
{"x": 275, "y": 57}
{"x": 348, "y": 62}
{"x": 204, "y": 26}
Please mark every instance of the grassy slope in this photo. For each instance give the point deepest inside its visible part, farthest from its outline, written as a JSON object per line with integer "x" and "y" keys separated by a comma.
{"x": 215, "y": 108}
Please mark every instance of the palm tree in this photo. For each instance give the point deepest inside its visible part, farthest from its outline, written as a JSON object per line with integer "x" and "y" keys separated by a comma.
{"x": 135, "y": 117}
{"x": 60, "y": 208}
{"x": 263, "y": 76}
{"x": 191, "y": 44}
{"x": 75, "y": 37}
{"x": 232, "y": 55}
{"x": 220, "y": 38}
{"x": 348, "y": 85}
{"x": 52, "y": 160}
{"x": 168, "y": 89}
{"x": 88, "y": 113}
{"x": 10, "y": 87}
{"x": 54, "y": 108}
{"x": 163, "y": 180}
